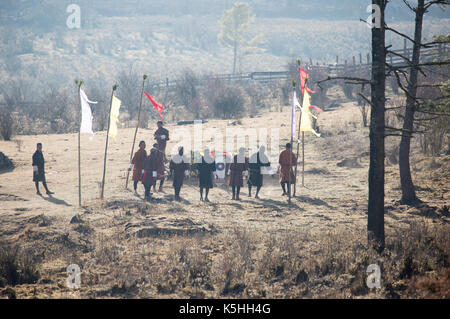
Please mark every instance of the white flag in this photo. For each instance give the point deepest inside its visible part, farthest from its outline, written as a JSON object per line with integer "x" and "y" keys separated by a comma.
{"x": 294, "y": 98}
{"x": 86, "y": 114}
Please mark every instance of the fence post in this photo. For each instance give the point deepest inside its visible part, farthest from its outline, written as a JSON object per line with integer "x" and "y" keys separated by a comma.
{"x": 368, "y": 58}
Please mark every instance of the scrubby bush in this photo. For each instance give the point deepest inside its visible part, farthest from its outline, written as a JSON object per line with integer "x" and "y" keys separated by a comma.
{"x": 59, "y": 110}
{"x": 6, "y": 123}
{"x": 228, "y": 103}
{"x": 16, "y": 266}
{"x": 187, "y": 92}
{"x": 129, "y": 90}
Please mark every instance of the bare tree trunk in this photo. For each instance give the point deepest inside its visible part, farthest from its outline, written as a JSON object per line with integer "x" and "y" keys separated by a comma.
{"x": 408, "y": 191}
{"x": 375, "y": 225}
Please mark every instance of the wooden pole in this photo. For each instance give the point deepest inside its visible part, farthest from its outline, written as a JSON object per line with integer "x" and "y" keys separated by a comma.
{"x": 298, "y": 137}
{"x": 303, "y": 159}
{"x": 298, "y": 148}
{"x": 79, "y": 83}
{"x": 107, "y": 139}
{"x": 290, "y": 150}
{"x": 137, "y": 126}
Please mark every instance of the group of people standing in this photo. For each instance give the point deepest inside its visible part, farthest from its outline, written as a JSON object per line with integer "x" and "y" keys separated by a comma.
{"x": 150, "y": 168}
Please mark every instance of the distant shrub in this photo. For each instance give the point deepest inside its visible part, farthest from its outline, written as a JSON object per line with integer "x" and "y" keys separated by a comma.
{"x": 129, "y": 89}
{"x": 58, "y": 109}
{"x": 6, "y": 122}
{"x": 187, "y": 92}
{"x": 226, "y": 101}
{"x": 256, "y": 93}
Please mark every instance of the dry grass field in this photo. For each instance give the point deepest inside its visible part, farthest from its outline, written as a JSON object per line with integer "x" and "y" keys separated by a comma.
{"x": 253, "y": 248}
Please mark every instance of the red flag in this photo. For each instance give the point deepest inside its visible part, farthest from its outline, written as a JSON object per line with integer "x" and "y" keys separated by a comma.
{"x": 158, "y": 106}
{"x": 317, "y": 108}
{"x": 303, "y": 76}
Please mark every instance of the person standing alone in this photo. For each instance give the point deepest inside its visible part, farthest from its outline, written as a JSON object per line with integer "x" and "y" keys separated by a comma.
{"x": 286, "y": 163}
{"x": 39, "y": 170}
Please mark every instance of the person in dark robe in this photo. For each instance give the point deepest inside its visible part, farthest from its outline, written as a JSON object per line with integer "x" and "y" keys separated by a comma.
{"x": 161, "y": 137}
{"x": 179, "y": 167}
{"x": 137, "y": 163}
{"x": 150, "y": 173}
{"x": 256, "y": 163}
{"x": 237, "y": 168}
{"x": 287, "y": 162}
{"x": 205, "y": 169}
{"x": 39, "y": 170}
{"x": 161, "y": 169}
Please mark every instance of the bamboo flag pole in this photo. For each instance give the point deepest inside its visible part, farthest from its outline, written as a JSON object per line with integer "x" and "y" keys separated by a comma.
{"x": 298, "y": 149}
{"x": 298, "y": 136}
{"x": 292, "y": 133}
{"x": 303, "y": 146}
{"x": 303, "y": 159}
{"x": 107, "y": 139}
{"x": 137, "y": 126}
{"x": 79, "y": 83}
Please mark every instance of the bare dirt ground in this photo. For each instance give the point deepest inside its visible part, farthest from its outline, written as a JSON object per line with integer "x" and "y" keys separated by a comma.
{"x": 314, "y": 247}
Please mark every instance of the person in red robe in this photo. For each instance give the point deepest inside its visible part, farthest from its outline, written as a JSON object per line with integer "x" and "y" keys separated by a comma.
{"x": 137, "y": 163}
{"x": 237, "y": 167}
{"x": 287, "y": 162}
{"x": 161, "y": 169}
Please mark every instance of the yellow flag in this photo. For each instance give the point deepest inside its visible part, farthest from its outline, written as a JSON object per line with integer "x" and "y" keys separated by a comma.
{"x": 114, "y": 117}
{"x": 305, "y": 124}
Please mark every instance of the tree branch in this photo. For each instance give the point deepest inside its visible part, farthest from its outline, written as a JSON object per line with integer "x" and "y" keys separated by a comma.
{"x": 365, "y": 99}
{"x": 412, "y": 65}
{"x": 405, "y": 36}
{"x": 443, "y": 2}
{"x": 360, "y": 80}
{"x": 427, "y": 64}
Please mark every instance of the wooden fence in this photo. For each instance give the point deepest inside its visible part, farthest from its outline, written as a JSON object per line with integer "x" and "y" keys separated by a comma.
{"x": 436, "y": 52}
